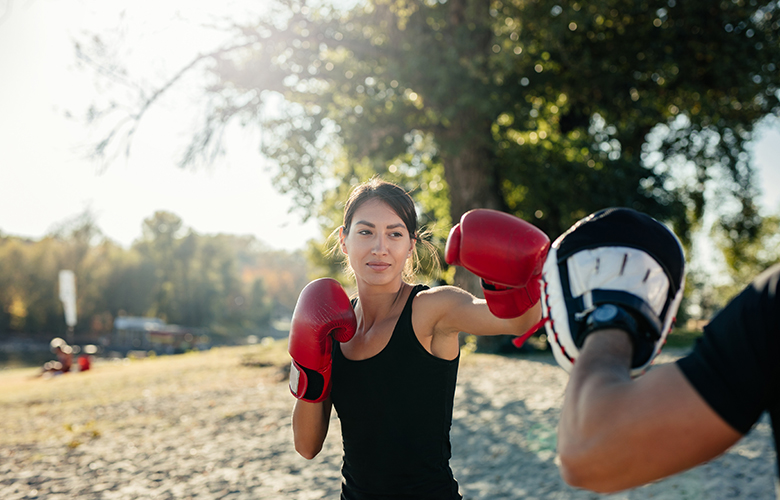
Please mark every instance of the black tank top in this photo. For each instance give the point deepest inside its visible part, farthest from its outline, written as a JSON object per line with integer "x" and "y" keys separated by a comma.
{"x": 396, "y": 412}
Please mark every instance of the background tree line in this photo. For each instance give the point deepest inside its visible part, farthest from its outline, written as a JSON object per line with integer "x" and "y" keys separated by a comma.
{"x": 230, "y": 285}
{"x": 548, "y": 110}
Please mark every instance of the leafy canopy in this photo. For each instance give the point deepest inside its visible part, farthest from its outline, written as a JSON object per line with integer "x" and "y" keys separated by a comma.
{"x": 549, "y": 110}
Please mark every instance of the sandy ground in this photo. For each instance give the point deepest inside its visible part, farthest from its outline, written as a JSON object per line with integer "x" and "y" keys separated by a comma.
{"x": 229, "y": 437}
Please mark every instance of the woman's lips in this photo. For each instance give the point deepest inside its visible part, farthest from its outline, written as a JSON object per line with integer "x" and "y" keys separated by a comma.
{"x": 378, "y": 266}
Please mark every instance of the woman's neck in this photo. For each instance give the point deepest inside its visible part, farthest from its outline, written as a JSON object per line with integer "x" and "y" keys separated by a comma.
{"x": 376, "y": 304}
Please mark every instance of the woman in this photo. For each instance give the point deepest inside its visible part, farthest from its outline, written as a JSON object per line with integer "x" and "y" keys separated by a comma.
{"x": 393, "y": 380}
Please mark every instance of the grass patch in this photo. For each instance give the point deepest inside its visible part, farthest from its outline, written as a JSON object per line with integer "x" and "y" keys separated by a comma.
{"x": 69, "y": 406}
{"x": 681, "y": 338}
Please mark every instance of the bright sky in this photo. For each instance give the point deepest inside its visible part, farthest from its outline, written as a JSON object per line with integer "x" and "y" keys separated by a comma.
{"x": 44, "y": 179}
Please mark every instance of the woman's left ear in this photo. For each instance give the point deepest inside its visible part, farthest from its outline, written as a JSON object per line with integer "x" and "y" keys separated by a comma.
{"x": 341, "y": 240}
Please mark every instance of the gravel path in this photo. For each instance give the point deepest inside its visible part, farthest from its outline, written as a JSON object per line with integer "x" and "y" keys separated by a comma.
{"x": 233, "y": 441}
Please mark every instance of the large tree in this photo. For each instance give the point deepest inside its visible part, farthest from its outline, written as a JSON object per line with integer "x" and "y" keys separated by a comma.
{"x": 544, "y": 109}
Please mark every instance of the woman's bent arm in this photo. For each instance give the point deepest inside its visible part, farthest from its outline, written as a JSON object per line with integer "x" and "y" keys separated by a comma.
{"x": 310, "y": 426}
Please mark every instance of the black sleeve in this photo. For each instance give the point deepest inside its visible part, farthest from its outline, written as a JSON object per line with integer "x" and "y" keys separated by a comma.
{"x": 734, "y": 366}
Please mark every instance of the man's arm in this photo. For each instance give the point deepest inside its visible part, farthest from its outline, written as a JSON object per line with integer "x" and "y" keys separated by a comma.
{"x": 617, "y": 433}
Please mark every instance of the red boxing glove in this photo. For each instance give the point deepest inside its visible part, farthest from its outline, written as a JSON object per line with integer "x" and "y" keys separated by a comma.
{"x": 506, "y": 252}
{"x": 323, "y": 313}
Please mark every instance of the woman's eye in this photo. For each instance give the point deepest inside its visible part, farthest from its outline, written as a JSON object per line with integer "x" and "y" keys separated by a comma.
{"x": 364, "y": 232}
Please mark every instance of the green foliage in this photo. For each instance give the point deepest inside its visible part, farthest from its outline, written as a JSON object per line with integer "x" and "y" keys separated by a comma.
{"x": 547, "y": 110}
{"x": 745, "y": 257}
{"x": 229, "y": 284}
{"x": 544, "y": 109}
{"x": 26, "y": 302}
{"x": 681, "y": 338}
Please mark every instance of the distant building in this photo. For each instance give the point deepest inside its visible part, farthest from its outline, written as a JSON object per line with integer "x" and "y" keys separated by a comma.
{"x": 133, "y": 333}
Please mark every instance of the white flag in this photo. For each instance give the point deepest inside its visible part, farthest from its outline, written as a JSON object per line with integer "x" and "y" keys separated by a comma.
{"x": 68, "y": 296}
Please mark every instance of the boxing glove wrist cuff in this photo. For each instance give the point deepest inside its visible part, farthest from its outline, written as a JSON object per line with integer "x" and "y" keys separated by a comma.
{"x": 307, "y": 384}
{"x": 493, "y": 287}
{"x": 507, "y": 302}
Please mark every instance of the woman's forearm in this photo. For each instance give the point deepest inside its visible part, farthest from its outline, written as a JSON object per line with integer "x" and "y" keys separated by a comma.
{"x": 310, "y": 423}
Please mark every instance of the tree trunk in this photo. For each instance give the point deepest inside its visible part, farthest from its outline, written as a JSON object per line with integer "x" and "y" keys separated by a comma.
{"x": 466, "y": 148}
{"x": 472, "y": 180}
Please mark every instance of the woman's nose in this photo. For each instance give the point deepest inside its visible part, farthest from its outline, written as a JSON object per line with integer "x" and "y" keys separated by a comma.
{"x": 380, "y": 246}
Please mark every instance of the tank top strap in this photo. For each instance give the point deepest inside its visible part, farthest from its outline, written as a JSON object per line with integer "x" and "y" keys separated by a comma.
{"x": 403, "y": 331}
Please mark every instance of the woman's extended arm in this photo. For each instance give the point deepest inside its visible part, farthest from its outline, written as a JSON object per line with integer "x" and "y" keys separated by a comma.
{"x": 456, "y": 310}
{"x": 310, "y": 423}
{"x": 617, "y": 433}
{"x": 443, "y": 312}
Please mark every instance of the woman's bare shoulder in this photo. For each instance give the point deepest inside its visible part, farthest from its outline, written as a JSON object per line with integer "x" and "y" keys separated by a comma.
{"x": 431, "y": 317}
{"x": 443, "y": 293}
{"x": 440, "y": 300}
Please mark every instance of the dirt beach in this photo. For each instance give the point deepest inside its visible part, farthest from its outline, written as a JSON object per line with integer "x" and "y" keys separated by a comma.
{"x": 216, "y": 425}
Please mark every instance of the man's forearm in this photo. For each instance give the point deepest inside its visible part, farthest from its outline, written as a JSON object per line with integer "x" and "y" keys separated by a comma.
{"x": 592, "y": 407}
{"x": 604, "y": 364}
{"x": 617, "y": 433}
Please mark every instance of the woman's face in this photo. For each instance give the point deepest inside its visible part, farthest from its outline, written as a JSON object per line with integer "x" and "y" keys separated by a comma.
{"x": 377, "y": 243}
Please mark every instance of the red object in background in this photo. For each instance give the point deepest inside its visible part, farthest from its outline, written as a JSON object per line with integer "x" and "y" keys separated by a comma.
{"x": 84, "y": 363}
